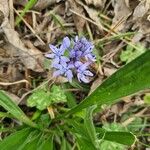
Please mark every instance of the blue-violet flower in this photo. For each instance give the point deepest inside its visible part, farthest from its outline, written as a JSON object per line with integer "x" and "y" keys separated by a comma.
{"x": 79, "y": 51}
{"x": 58, "y": 53}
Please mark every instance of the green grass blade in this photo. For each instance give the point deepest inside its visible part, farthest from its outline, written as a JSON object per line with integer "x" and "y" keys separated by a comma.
{"x": 28, "y": 6}
{"x": 131, "y": 78}
{"x": 13, "y": 109}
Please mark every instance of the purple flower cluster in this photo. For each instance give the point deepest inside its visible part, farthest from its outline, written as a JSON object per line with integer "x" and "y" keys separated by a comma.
{"x": 72, "y": 57}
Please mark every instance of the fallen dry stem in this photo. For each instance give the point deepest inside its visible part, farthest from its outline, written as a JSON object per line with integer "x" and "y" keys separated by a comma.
{"x": 13, "y": 83}
{"x": 31, "y": 29}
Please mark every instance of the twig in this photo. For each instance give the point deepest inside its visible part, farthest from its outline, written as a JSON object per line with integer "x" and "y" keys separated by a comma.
{"x": 89, "y": 20}
{"x": 13, "y": 83}
{"x": 11, "y": 13}
{"x": 32, "y": 30}
{"x": 24, "y": 95}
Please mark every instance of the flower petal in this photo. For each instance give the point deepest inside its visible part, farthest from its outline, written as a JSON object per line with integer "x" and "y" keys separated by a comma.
{"x": 57, "y": 73}
{"x": 76, "y": 38}
{"x": 57, "y": 66}
{"x": 69, "y": 75}
{"x": 70, "y": 65}
{"x": 79, "y": 76}
{"x": 72, "y": 53}
{"x": 66, "y": 42}
{"x": 53, "y": 48}
{"x": 88, "y": 73}
{"x": 50, "y": 55}
{"x": 78, "y": 64}
{"x": 55, "y": 61}
{"x": 64, "y": 59}
{"x": 84, "y": 79}
{"x": 84, "y": 66}
{"x": 90, "y": 57}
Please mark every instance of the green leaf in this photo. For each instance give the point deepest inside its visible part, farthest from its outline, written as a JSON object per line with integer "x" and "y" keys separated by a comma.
{"x": 125, "y": 138}
{"x": 13, "y": 109}
{"x": 42, "y": 98}
{"x": 15, "y": 140}
{"x": 130, "y": 53}
{"x": 115, "y": 132}
{"x": 130, "y": 79}
{"x": 57, "y": 94}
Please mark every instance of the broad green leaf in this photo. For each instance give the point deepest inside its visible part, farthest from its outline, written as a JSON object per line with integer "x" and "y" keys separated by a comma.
{"x": 42, "y": 98}
{"x": 131, "y": 78}
{"x": 16, "y": 139}
{"x": 13, "y": 109}
{"x": 115, "y": 132}
{"x": 125, "y": 138}
{"x": 57, "y": 94}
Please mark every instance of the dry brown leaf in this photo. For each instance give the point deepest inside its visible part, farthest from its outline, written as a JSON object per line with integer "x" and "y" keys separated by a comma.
{"x": 93, "y": 14}
{"x": 30, "y": 58}
{"x": 141, "y": 9}
{"x": 42, "y": 4}
{"x": 96, "y": 3}
{"x": 141, "y": 21}
{"x": 78, "y": 21}
{"x": 122, "y": 12}
{"x": 109, "y": 71}
{"x": 95, "y": 84}
{"x": 20, "y": 2}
